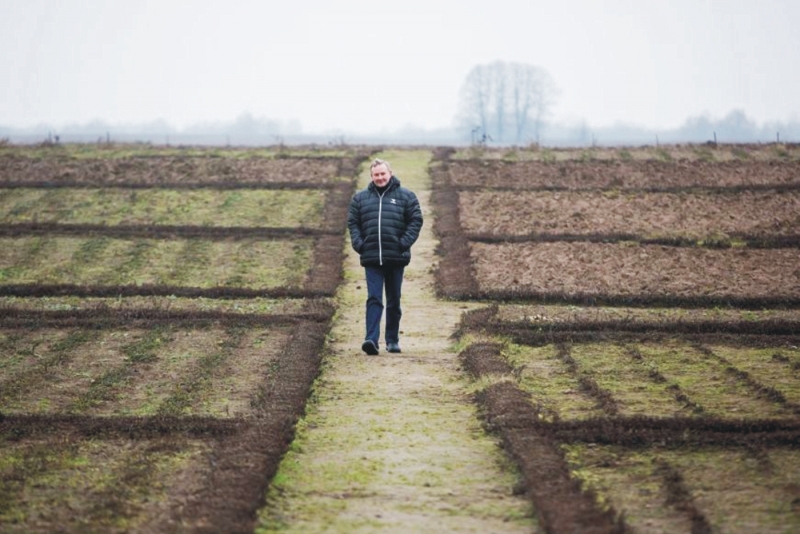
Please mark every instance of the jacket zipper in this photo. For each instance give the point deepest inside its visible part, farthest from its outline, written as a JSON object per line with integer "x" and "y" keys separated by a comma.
{"x": 380, "y": 216}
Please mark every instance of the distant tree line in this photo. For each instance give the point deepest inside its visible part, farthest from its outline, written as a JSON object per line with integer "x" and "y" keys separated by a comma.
{"x": 501, "y": 104}
{"x": 735, "y": 127}
{"x": 245, "y": 126}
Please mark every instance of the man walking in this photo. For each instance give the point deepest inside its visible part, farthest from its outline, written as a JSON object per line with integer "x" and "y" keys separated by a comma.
{"x": 384, "y": 221}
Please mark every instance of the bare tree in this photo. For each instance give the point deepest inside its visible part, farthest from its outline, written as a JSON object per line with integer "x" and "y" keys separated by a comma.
{"x": 523, "y": 97}
{"x": 500, "y": 96}
{"x": 500, "y": 78}
{"x": 475, "y": 96}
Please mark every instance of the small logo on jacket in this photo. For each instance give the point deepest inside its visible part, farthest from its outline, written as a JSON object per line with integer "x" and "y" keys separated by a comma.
{"x": 394, "y": 201}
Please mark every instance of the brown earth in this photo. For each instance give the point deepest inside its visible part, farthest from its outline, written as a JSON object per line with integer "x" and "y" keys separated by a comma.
{"x": 609, "y": 270}
{"x": 693, "y": 215}
{"x": 648, "y": 175}
{"x": 617, "y": 269}
{"x": 173, "y": 171}
{"x": 686, "y": 153}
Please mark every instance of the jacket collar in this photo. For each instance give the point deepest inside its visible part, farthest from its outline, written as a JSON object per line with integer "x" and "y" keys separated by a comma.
{"x": 394, "y": 183}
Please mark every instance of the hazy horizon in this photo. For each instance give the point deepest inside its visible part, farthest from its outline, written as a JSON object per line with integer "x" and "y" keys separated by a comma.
{"x": 371, "y": 67}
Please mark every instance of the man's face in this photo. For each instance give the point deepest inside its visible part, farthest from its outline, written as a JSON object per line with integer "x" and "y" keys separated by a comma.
{"x": 381, "y": 175}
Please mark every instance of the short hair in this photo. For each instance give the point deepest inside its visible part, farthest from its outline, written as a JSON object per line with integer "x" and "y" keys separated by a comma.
{"x": 377, "y": 162}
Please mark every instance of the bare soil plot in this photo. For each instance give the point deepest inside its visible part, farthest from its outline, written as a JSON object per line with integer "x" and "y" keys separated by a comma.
{"x": 615, "y": 272}
{"x": 173, "y": 171}
{"x": 688, "y": 153}
{"x": 621, "y": 318}
{"x": 553, "y": 265}
{"x": 640, "y": 175}
{"x": 688, "y": 215}
{"x": 115, "y": 151}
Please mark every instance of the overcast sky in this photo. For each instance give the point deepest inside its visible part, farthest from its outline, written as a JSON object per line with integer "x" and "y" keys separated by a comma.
{"x": 370, "y": 66}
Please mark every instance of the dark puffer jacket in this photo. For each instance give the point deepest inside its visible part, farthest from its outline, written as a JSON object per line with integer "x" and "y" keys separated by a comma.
{"x": 384, "y": 226}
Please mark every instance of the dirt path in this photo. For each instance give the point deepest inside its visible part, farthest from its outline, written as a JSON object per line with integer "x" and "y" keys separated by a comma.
{"x": 392, "y": 443}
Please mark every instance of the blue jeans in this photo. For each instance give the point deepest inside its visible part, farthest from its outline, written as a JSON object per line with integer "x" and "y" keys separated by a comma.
{"x": 378, "y": 278}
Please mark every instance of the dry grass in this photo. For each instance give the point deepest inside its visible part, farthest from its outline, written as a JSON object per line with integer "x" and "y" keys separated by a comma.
{"x": 250, "y": 263}
{"x": 200, "y": 207}
{"x": 689, "y": 152}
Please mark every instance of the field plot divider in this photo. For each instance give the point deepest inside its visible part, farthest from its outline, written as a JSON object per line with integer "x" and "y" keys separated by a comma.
{"x": 536, "y": 333}
{"x": 247, "y": 462}
{"x": 148, "y": 290}
{"x": 560, "y": 502}
{"x": 521, "y": 330}
{"x": 534, "y": 443}
{"x": 221, "y": 186}
{"x": 102, "y": 317}
{"x": 634, "y": 301}
{"x": 154, "y": 231}
{"x": 649, "y": 189}
{"x": 34, "y": 426}
{"x": 756, "y": 386}
{"x": 680, "y": 497}
{"x": 327, "y": 257}
{"x": 749, "y": 241}
{"x": 657, "y": 377}
{"x": 455, "y": 275}
{"x": 604, "y": 399}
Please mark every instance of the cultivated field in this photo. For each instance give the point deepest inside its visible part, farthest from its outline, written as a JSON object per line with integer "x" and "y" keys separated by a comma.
{"x": 632, "y": 341}
{"x": 162, "y": 318}
{"x": 638, "y": 352}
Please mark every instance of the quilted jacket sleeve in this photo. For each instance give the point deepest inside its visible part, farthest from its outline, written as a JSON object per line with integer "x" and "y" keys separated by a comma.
{"x": 413, "y": 218}
{"x": 354, "y": 224}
